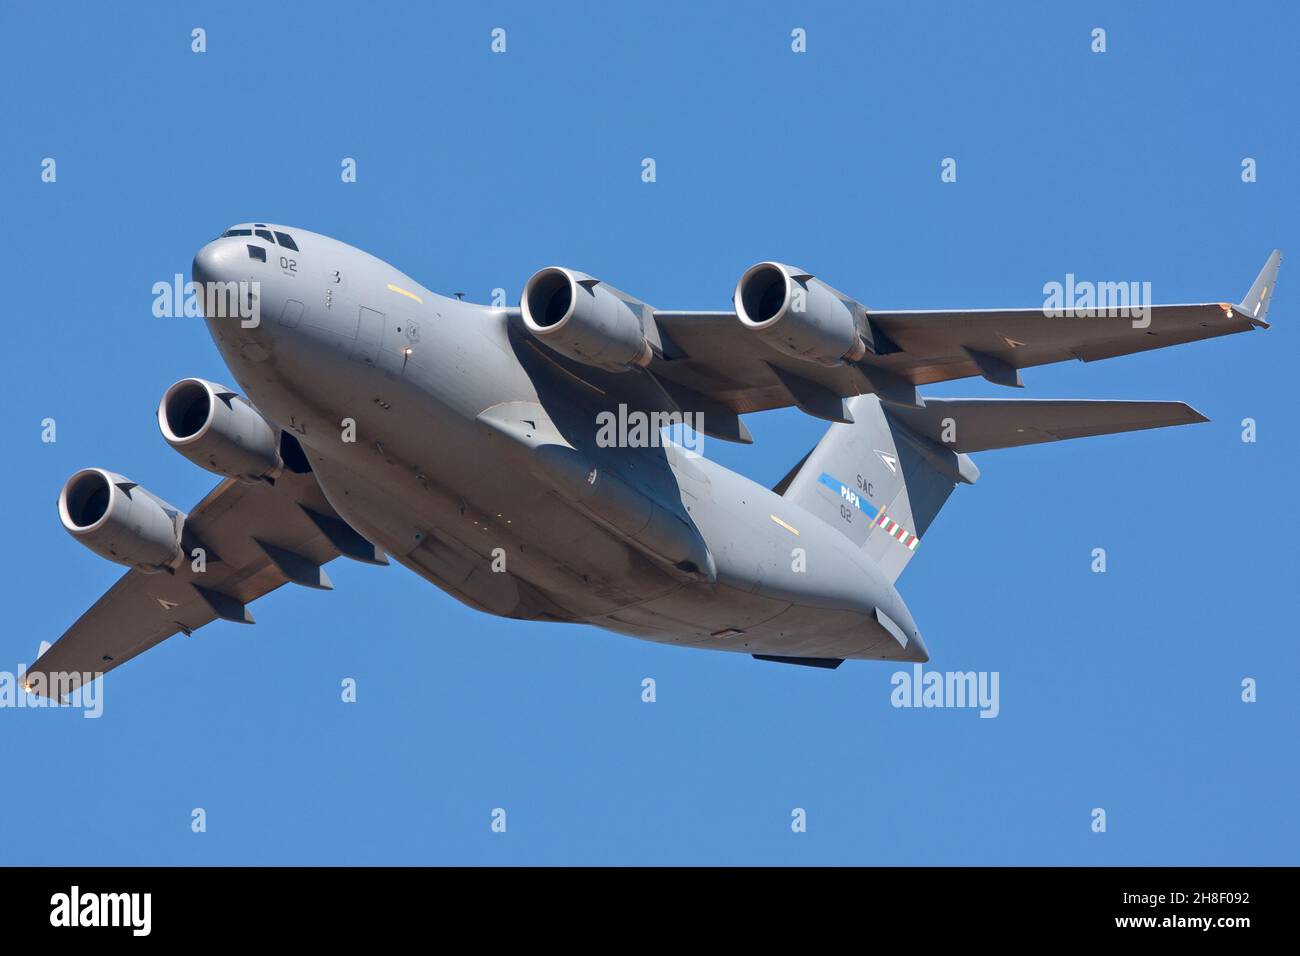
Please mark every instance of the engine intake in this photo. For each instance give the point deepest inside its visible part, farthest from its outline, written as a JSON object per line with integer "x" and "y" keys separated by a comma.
{"x": 121, "y": 521}
{"x": 580, "y": 317}
{"x": 219, "y": 430}
{"x": 798, "y": 315}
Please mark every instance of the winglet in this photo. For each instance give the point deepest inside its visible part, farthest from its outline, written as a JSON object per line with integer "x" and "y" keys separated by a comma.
{"x": 1255, "y": 305}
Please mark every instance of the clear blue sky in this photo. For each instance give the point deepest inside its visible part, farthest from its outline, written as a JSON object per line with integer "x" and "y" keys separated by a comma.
{"x": 1119, "y": 691}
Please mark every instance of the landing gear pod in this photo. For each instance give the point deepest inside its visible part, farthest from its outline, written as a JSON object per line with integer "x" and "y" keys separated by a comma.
{"x": 628, "y": 511}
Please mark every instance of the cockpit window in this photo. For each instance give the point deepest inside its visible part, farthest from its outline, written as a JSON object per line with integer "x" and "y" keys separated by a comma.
{"x": 236, "y": 232}
{"x": 256, "y": 252}
{"x": 286, "y": 240}
{"x": 265, "y": 234}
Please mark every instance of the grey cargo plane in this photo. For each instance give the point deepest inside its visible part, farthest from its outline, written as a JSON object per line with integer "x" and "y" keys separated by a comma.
{"x": 461, "y": 440}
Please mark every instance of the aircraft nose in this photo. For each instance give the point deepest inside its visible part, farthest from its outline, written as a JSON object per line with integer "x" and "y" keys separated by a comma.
{"x": 213, "y": 262}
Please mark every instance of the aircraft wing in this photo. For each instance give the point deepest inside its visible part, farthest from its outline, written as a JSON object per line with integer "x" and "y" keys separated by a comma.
{"x": 712, "y": 356}
{"x": 255, "y": 537}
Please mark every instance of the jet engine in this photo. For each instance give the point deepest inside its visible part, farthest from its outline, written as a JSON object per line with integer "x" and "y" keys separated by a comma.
{"x": 582, "y": 318}
{"x": 799, "y": 315}
{"x": 219, "y": 430}
{"x": 119, "y": 520}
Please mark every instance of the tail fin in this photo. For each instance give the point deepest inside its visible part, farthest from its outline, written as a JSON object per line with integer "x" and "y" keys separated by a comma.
{"x": 882, "y": 479}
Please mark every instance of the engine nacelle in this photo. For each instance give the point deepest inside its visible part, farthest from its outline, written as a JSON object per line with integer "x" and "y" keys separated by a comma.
{"x": 219, "y": 430}
{"x": 798, "y": 315}
{"x": 119, "y": 520}
{"x": 580, "y": 317}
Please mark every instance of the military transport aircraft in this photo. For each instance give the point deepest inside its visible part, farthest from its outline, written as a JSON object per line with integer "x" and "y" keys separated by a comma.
{"x": 379, "y": 418}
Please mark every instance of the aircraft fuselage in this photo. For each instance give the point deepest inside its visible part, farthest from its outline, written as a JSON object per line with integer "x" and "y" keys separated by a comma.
{"x": 444, "y": 434}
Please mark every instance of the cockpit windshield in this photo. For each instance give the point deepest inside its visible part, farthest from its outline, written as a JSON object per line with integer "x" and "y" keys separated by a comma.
{"x": 281, "y": 238}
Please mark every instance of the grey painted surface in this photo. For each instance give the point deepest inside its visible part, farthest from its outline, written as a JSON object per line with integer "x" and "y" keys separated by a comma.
{"x": 472, "y": 436}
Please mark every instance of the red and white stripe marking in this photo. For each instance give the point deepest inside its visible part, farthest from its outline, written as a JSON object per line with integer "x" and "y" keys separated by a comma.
{"x": 897, "y": 531}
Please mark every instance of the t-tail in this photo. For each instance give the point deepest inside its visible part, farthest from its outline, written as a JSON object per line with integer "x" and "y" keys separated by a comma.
{"x": 882, "y": 478}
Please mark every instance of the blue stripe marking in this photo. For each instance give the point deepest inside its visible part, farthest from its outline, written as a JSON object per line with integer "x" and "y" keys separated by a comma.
{"x": 846, "y": 493}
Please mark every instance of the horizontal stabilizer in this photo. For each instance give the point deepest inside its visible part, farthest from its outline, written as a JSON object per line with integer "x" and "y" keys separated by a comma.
{"x": 977, "y": 424}
{"x": 882, "y": 480}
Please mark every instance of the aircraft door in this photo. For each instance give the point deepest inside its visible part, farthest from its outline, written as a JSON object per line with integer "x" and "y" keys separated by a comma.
{"x": 370, "y": 330}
